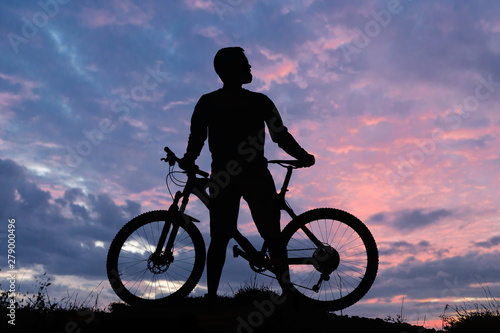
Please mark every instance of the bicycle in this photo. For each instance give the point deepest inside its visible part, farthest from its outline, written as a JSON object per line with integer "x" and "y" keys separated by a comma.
{"x": 159, "y": 256}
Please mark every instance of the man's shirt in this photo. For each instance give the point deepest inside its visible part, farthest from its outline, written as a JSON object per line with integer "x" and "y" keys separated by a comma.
{"x": 234, "y": 122}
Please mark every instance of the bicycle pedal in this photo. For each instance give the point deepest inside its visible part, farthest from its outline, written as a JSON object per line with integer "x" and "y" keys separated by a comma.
{"x": 236, "y": 251}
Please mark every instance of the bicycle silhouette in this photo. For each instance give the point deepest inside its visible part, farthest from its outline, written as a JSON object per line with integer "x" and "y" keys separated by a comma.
{"x": 159, "y": 256}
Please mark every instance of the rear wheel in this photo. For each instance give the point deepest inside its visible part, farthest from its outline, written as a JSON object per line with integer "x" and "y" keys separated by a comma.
{"x": 138, "y": 276}
{"x": 332, "y": 256}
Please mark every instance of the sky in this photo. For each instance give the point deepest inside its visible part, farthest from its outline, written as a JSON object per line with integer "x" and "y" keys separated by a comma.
{"x": 397, "y": 100}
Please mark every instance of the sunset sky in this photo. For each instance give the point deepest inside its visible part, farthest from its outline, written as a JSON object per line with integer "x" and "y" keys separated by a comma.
{"x": 398, "y": 100}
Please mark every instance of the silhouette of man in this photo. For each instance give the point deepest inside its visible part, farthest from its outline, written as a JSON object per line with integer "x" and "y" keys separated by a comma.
{"x": 234, "y": 119}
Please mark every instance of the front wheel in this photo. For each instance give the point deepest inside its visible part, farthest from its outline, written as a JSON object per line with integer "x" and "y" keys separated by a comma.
{"x": 138, "y": 276}
{"x": 332, "y": 257}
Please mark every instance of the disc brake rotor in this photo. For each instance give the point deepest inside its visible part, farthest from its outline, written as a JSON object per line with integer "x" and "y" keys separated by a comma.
{"x": 158, "y": 265}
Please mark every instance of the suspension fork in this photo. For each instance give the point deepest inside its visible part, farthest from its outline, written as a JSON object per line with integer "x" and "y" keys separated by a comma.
{"x": 175, "y": 213}
{"x": 173, "y": 210}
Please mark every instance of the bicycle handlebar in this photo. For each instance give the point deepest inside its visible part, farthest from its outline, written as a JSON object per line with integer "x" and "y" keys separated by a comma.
{"x": 285, "y": 163}
{"x": 172, "y": 159}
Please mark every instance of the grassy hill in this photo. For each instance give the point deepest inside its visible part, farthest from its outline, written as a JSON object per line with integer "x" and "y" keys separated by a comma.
{"x": 255, "y": 314}
{"x": 249, "y": 310}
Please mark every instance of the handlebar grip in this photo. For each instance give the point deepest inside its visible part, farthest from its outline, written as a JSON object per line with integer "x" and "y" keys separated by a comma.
{"x": 203, "y": 173}
{"x": 197, "y": 171}
{"x": 169, "y": 152}
{"x": 294, "y": 163}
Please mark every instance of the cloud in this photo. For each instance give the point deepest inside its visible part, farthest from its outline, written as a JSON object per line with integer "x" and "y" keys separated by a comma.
{"x": 174, "y": 104}
{"x": 428, "y": 286}
{"x": 19, "y": 90}
{"x": 382, "y": 132}
{"x": 210, "y": 32}
{"x": 63, "y": 234}
{"x": 411, "y": 220}
{"x": 427, "y": 279}
{"x": 472, "y": 143}
{"x": 489, "y": 243}
{"x": 200, "y": 4}
{"x": 119, "y": 13}
{"x": 275, "y": 67}
{"x": 458, "y": 120}
{"x": 18, "y": 195}
{"x": 295, "y": 6}
{"x": 402, "y": 247}
{"x": 418, "y": 219}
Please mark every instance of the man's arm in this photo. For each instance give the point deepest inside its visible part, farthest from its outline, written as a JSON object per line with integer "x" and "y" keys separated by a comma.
{"x": 279, "y": 134}
{"x": 198, "y": 133}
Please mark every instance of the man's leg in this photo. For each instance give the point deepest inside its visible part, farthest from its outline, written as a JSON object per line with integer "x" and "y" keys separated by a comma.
{"x": 216, "y": 257}
{"x": 223, "y": 222}
{"x": 260, "y": 194}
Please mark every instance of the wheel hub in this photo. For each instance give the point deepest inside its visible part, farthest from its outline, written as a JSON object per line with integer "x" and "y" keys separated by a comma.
{"x": 326, "y": 259}
{"x": 159, "y": 264}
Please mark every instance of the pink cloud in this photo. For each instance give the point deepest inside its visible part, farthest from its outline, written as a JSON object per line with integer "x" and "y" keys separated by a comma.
{"x": 278, "y": 68}
{"x": 200, "y": 4}
{"x": 95, "y": 18}
{"x": 338, "y": 35}
{"x": 489, "y": 26}
{"x": 209, "y": 32}
{"x": 287, "y": 8}
{"x": 120, "y": 13}
{"x": 9, "y": 99}
{"x": 177, "y": 103}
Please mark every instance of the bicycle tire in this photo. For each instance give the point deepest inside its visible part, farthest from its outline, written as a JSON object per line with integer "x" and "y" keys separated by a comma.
{"x": 357, "y": 258}
{"x": 129, "y": 268}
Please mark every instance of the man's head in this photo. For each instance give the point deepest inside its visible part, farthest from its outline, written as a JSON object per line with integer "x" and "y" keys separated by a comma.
{"x": 232, "y": 66}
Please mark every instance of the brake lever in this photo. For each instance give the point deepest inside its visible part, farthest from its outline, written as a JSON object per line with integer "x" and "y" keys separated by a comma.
{"x": 168, "y": 160}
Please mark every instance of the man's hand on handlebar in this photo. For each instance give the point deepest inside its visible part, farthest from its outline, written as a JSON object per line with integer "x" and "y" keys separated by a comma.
{"x": 190, "y": 167}
{"x": 307, "y": 161}
{"x": 187, "y": 165}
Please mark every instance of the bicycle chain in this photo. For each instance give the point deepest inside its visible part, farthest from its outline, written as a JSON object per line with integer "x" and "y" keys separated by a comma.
{"x": 295, "y": 284}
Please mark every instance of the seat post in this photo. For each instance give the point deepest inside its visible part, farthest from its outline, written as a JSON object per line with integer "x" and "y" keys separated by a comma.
{"x": 286, "y": 181}
{"x": 281, "y": 195}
